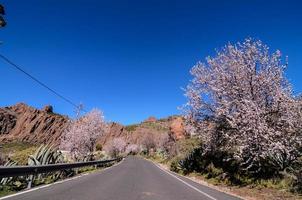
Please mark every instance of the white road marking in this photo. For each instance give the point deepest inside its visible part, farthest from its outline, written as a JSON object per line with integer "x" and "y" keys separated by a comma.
{"x": 187, "y": 184}
{"x": 58, "y": 182}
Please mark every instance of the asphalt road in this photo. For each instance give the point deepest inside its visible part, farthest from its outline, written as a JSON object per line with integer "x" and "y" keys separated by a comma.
{"x": 132, "y": 179}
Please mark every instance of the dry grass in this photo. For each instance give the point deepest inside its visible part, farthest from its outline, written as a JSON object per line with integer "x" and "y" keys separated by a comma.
{"x": 18, "y": 151}
{"x": 251, "y": 192}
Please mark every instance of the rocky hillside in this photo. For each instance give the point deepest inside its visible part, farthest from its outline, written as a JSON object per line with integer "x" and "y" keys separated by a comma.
{"x": 174, "y": 126}
{"x": 27, "y": 124}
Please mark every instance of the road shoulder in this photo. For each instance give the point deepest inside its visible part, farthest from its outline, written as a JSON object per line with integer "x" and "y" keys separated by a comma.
{"x": 248, "y": 193}
{"x": 196, "y": 181}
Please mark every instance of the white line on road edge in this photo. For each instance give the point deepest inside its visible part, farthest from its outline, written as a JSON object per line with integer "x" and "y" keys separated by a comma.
{"x": 187, "y": 184}
{"x": 58, "y": 182}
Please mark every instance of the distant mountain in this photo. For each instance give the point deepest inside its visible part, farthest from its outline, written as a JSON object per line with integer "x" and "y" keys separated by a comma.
{"x": 173, "y": 126}
{"x": 23, "y": 123}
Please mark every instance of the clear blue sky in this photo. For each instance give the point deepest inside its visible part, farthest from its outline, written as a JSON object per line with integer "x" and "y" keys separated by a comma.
{"x": 131, "y": 58}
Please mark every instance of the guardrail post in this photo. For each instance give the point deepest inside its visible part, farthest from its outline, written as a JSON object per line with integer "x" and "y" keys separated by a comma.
{"x": 30, "y": 180}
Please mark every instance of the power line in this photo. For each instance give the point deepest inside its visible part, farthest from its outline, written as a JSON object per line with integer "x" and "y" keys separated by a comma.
{"x": 39, "y": 82}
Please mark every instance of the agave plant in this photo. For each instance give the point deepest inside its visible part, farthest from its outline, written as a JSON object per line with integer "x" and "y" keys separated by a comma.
{"x": 45, "y": 155}
{"x": 5, "y": 181}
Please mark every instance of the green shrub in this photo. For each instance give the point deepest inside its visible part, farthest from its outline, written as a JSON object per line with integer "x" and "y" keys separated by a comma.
{"x": 98, "y": 147}
{"x": 6, "y": 190}
{"x": 99, "y": 155}
{"x": 144, "y": 152}
{"x": 161, "y": 153}
{"x": 297, "y": 185}
{"x": 213, "y": 172}
{"x": 297, "y": 176}
{"x": 192, "y": 162}
{"x": 131, "y": 128}
{"x": 155, "y": 126}
{"x": 174, "y": 165}
{"x": 186, "y": 146}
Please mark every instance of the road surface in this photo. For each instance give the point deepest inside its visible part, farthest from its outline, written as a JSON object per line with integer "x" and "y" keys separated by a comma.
{"x": 132, "y": 179}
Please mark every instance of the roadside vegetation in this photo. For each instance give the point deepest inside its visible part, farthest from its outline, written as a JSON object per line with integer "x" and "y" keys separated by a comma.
{"x": 29, "y": 155}
{"x": 131, "y": 128}
{"x": 243, "y": 129}
{"x": 17, "y": 151}
{"x": 242, "y": 107}
{"x": 78, "y": 144}
{"x": 243, "y": 123}
{"x": 42, "y": 155}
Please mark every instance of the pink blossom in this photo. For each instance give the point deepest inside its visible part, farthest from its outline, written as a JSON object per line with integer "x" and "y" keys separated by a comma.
{"x": 81, "y": 135}
{"x": 240, "y": 100}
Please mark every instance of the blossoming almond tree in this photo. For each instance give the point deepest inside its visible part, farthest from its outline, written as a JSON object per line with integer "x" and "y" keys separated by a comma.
{"x": 148, "y": 141}
{"x": 115, "y": 147}
{"x": 81, "y": 135}
{"x": 164, "y": 143}
{"x": 243, "y": 93}
{"x": 132, "y": 149}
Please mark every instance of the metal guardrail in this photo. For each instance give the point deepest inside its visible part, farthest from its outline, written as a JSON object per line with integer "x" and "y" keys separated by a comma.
{"x": 39, "y": 169}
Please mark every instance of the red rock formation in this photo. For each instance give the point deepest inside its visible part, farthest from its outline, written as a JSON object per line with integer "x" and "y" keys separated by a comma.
{"x": 151, "y": 119}
{"x": 177, "y": 128}
{"x": 7, "y": 121}
{"x": 115, "y": 130}
{"x": 24, "y": 123}
{"x": 134, "y": 134}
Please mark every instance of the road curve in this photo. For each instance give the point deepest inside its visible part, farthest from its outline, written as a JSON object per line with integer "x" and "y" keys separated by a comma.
{"x": 133, "y": 179}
